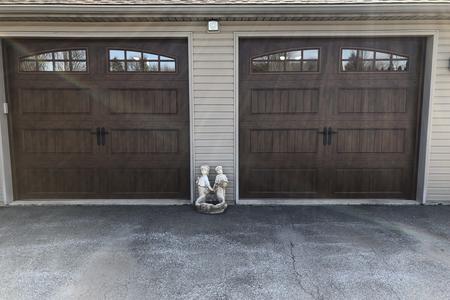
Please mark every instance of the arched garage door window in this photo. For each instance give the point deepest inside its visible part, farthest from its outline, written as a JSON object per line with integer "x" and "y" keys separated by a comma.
{"x": 62, "y": 60}
{"x": 296, "y": 60}
{"x": 122, "y": 60}
{"x": 367, "y": 60}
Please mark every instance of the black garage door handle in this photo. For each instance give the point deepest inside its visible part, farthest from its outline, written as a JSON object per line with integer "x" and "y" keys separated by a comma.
{"x": 97, "y": 133}
{"x": 324, "y": 132}
{"x": 103, "y": 134}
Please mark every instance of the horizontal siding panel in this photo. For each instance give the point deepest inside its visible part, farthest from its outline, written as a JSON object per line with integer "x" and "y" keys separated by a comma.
{"x": 442, "y": 93}
{"x": 440, "y": 157}
{"x": 214, "y": 65}
{"x": 214, "y": 101}
{"x": 211, "y": 108}
{"x": 197, "y": 43}
{"x": 211, "y": 123}
{"x": 207, "y": 143}
{"x": 442, "y": 142}
{"x": 213, "y": 57}
{"x": 214, "y": 87}
{"x": 215, "y": 136}
{"x": 214, "y": 49}
{"x": 439, "y": 163}
{"x": 214, "y": 149}
{"x": 438, "y": 149}
{"x": 214, "y": 115}
{"x": 439, "y": 177}
{"x": 215, "y": 79}
{"x": 213, "y": 94}
{"x": 213, "y": 72}
{"x": 440, "y": 191}
{"x": 211, "y": 129}
{"x": 439, "y": 184}
{"x": 215, "y": 162}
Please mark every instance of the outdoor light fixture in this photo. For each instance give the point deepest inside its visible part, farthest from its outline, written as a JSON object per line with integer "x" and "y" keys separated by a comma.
{"x": 213, "y": 26}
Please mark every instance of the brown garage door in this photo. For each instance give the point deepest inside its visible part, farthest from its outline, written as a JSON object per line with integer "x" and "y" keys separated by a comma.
{"x": 329, "y": 118}
{"x": 99, "y": 119}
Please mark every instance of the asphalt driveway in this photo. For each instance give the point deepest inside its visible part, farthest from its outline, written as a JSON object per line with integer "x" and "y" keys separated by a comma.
{"x": 144, "y": 252}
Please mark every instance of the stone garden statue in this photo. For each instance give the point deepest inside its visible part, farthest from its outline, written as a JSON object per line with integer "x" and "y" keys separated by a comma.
{"x": 211, "y": 200}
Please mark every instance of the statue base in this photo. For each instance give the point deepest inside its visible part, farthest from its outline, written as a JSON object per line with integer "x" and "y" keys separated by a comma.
{"x": 211, "y": 205}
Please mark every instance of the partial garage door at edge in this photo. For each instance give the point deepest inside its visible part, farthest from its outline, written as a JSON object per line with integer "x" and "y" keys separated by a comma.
{"x": 99, "y": 118}
{"x": 329, "y": 118}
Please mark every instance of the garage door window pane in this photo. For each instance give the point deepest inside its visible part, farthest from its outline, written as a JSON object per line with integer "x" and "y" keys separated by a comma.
{"x": 79, "y": 66}
{"x": 276, "y": 66}
{"x": 45, "y": 66}
{"x": 311, "y": 54}
{"x": 294, "y": 66}
{"x": 366, "y": 60}
{"x": 55, "y": 61}
{"x": 399, "y": 65}
{"x": 117, "y": 66}
{"x": 133, "y": 55}
{"x": 134, "y": 66}
{"x": 297, "y": 60}
{"x": 167, "y": 66}
{"x": 123, "y": 60}
{"x": 258, "y": 66}
{"x": 28, "y": 66}
{"x": 116, "y": 55}
{"x": 62, "y": 55}
{"x": 382, "y": 65}
{"x": 150, "y": 56}
{"x": 62, "y": 66}
{"x": 151, "y": 66}
{"x": 309, "y": 66}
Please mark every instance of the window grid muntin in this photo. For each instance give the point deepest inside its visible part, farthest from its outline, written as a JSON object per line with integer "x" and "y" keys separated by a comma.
{"x": 71, "y": 60}
{"x": 142, "y": 62}
{"x": 374, "y": 60}
{"x": 266, "y": 59}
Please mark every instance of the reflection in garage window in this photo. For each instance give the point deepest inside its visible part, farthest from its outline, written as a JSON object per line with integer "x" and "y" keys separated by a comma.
{"x": 362, "y": 60}
{"x": 298, "y": 60}
{"x": 135, "y": 61}
{"x": 70, "y": 60}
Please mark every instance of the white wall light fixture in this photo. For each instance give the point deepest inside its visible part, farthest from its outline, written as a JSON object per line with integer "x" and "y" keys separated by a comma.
{"x": 213, "y": 26}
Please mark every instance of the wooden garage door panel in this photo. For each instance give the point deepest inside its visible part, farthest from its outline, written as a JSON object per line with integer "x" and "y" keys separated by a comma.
{"x": 372, "y": 117}
{"x": 57, "y": 141}
{"x": 144, "y": 141}
{"x": 276, "y": 101}
{"x": 55, "y": 117}
{"x": 51, "y": 182}
{"x": 356, "y": 140}
{"x": 369, "y": 182}
{"x": 145, "y": 181}
{"x": 283, "y": 141}
{"x": 286, "y": 182}
{"x": 372, "y": 100}
{"x": 55, "y": 101}
{"x": 143, "y": 101}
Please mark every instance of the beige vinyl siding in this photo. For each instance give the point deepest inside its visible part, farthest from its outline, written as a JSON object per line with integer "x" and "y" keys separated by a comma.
{"x": 439, "y": 171}
{"x": 213, "y": 87}
{"x": 213, "y": 91}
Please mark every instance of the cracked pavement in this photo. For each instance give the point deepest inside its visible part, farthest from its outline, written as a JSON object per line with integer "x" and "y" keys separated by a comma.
{"x": 148, "y": 252}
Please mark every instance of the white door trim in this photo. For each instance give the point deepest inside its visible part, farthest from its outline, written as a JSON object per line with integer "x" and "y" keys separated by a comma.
{"x": 5, "y": 157}
{"x": 425, "y": 129}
